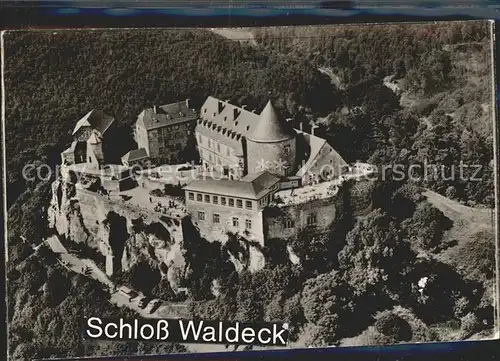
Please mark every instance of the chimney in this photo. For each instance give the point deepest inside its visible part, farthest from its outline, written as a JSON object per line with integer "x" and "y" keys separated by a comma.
{"x": 253, "y": 111}
{"x": 313, "y": 127}
{"x": 244, "y": 106}
{"x": 301, "y": 126}
{"x": 288, "y": 120}
{"x": 155, "y": 109}
{"x": 220, "y": 107}
{"x": 187, "y": 103}
{"x": 236, "y": 112}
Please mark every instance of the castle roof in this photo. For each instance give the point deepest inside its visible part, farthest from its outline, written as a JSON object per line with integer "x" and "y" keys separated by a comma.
{"x": 253, "y": 186}
{"x": 135, "y": 154}
{"x": 316, "y": 145}
{"x": 272, "y": 127}
{"x": 165, "y": 115}
{"x": 96, "y": 119}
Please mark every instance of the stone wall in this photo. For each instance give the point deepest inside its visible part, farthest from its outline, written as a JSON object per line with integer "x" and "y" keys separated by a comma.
{"x": 170, "y": 142}
{"x": 83, "y": 216}
{"x": 285, "y": 222}
{"x": 216, "y": 231}
{"x": 272, "y": 154}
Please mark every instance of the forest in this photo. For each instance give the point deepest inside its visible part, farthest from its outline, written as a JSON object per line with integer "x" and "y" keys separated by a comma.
{"x": 439, "y": 116}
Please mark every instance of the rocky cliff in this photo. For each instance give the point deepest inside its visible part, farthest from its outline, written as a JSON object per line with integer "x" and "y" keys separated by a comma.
{"x": 126, "y": 235}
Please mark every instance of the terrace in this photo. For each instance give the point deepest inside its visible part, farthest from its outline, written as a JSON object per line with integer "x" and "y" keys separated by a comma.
{"x": 322, "y": 190}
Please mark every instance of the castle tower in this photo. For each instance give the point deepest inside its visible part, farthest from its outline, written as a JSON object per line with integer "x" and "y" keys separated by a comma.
{"x": 272, "y": 145}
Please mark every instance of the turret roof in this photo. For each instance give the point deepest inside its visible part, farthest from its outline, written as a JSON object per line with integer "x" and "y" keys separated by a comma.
{"x": 272, "y": 127}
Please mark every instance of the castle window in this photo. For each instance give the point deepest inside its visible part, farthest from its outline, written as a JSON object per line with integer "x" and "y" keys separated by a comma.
{"x": 209, "y": 143}
{"x": 191, "y": 196}
{"x": 210, "y": 157}
{"x": 311, "y": 219}
{"x": 231, "y": 202}
{"x": 248, "y": 204}
{"x": 223, "y": 201}
{"x": 228, "y": 152}
{"x": 289, "y": 223}
{"x": 236, "y": 222}
{"x": 215, "y": 200}
{"x": 239, "y": 203}
{"x": 201, "y": 215}
{"x": 286, "y": 149}
{"x": 207, "y": 198}
{"x": 218, "y": 147}
{"x": 216, "y": 218}
{"x": 199, "y": 197}
{"x": 205, "y": 110}
{"x": 248, "y": 224}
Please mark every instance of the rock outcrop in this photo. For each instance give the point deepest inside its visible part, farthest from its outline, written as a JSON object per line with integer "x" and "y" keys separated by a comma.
{"x": 127, "y": 236}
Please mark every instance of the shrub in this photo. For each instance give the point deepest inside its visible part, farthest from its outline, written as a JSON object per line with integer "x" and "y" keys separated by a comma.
{"x": 469, "y": 323}
{"x": 156, "y": 193}
{"x": 393, "y": 326}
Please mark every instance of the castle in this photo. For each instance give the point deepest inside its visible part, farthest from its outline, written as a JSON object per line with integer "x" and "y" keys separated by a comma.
{"x": 255, "y": 162}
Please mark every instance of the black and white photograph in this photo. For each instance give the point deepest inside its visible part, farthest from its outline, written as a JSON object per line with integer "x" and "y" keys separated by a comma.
{"x": 331, "y": 185}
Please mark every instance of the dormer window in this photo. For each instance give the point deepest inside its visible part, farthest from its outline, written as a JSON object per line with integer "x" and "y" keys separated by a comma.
{"x": 225, "y": 118}
{"x": 204, "y": 110}
{"x": 247, "y": 127}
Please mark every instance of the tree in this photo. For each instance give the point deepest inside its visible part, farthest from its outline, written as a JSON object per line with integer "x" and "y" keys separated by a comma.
{"x": 427, "y": 226}
{"x": 376, "y": 258}
{"x": 326, "y": 303}
{"x": 393, "y": 326}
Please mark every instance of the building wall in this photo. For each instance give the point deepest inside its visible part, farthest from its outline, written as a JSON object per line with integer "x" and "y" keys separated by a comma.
{"x": 217, "y": 154}
{"x": 210, "y": 229}
{"x": 286, "y": 221}
{"x": 92, "y": 157}
{"x": 141, "y": 138}
{"x": 169, "y": 142}
{"x": 272, "y": 154}
{"x": 327, "y": 165}
{"x": 68, "y": 157}
{"x": 83, "y": 134}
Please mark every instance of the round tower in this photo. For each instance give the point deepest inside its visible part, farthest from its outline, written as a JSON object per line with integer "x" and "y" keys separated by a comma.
{"x": 272, "y": 145}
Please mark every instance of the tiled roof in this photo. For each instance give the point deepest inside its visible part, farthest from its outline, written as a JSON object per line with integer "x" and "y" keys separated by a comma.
{"x": 228, "y": 124}
{"x": 264, "y": 180}
{"x": 254, "y": 187}
{"x": 96, "y": 119}
{"x": 166, "y": 115}
{"x": 316, "y": 144}
{"x": 135, "y": 154}
{"x": 272, "y": 127}
{"x": 233, "y": 142}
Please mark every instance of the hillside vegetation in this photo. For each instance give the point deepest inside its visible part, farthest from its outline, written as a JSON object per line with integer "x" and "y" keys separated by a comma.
{"x": 440, "y": 116}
